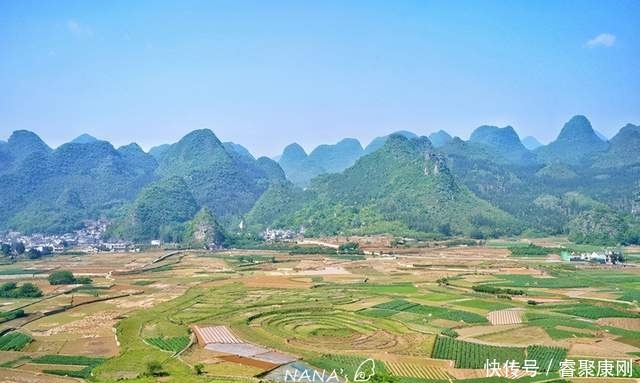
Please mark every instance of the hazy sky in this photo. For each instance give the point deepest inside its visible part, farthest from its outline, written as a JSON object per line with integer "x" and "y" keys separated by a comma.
{"x": 267, "y": 73}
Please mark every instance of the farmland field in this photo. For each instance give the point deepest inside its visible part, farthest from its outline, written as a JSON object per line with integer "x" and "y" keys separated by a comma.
{"x": 174, "y": 344}
{"x": 326, "y": 312}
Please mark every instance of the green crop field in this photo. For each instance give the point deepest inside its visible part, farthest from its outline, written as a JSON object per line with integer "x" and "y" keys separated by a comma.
{"x": 431, "y": 312}
{"x": 69, "y": 360}
{"x": 596, "y": 312}
{"x": 173, "y": 344}
{"x": 547, "y": 358}
{"x": 474, "y": 355}
{"x": 14, "y": 341}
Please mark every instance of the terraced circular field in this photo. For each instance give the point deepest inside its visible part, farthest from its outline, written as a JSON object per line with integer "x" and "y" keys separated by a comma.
{"x": 327, "y": 329}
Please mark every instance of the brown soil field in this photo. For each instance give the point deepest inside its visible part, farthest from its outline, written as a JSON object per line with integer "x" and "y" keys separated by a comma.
{"x": 479, "y": 331}
{"x": 249, "y": 362}
{"x": 632, "y": 324}
{"x": 276, "y": 282}
{"x": 99, "y": 346}
{"x": 588, "y": 292}
{"x": 521, "y": 336}
{"x": 21, "y": 376}
{"x": 607, "y": 348}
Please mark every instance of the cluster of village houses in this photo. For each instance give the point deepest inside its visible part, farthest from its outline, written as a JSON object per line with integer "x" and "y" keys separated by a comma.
{"x": 88, "y": 239}
{"x": 280, "y": 235}
{"x": 609, "y": 257}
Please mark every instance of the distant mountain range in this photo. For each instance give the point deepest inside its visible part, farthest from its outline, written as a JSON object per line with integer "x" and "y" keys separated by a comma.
{"x": 195, "y": 189}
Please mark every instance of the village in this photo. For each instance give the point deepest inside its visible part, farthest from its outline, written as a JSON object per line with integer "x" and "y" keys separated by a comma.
{"x": 89, "y": 239}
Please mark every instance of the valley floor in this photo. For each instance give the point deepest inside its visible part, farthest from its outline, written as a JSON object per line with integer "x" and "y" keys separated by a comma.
{"x": 240, "y": 315}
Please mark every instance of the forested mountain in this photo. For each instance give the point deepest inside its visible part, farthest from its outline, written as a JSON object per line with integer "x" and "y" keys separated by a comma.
{"x": 504, "y": 142}
{"x": 378, "y": 142}
{"x": 577, "y": 143}
{"x": 159, "y": 212}
{"x": 489, "y": 185}
{"x": 440, "y": 138}
{"x": 84, "y": 139}
{"x": 623, "y": 149}
{"x": 531, "y": 143}
{"x": 300, "y": 168}
{"x": 157, "y": 151}
{"x": 53, "y": 190}
{"x": 405, "y": 186}
{"x": 225, "y": 182}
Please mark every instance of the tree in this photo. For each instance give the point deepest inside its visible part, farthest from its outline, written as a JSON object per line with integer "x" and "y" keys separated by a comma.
{"x": 199, "y": 367}
{"x": 19, "y": 248}
{"x": 62, "y": 277}
{"x": 6, "y": 249}
{"x": 29, "y": 290}
{"x": 349, "y": 248}
{"x": 154, "y": 368}
{"x": 8, "y": 286}
{"x": 34, "y": 253}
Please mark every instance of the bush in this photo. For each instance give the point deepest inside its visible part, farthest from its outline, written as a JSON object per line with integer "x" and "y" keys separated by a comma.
{"x": 26, "y": 290}
{"x": 66, "y": 277}
{"x": 154, "y": 368}
{"x": 349, "y": 248}
{"x": 62, "y": 277}
{"x": 496, "y": 290}
{"x": 199, "y": 367}
{"x": 532, "y": 250}
{"x": 449, "y": 332}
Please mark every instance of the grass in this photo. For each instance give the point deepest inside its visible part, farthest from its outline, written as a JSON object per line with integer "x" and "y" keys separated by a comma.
{"x": 432, "y": 312}
{"x": 630, "y": 296}
{"x": 377, "y": 313}
{"x": 399, "y": 288}
{"x": 551, "y": 322}
{"x": 143, "y": 282}
{"x": 483, "y": 304}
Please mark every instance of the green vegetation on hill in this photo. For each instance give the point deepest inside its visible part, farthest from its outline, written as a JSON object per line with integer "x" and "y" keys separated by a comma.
{"x": 576, "y": 143}
{"x": 159, "y": 212}
{"x": 204, "y": 230}
{"x": 491, "y": 185}
{"x": 404, "y": 187}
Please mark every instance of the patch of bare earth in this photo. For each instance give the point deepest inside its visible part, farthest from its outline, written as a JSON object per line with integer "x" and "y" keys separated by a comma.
{"x": 476, "y": 331}
{"x": 522, "y": 336}
{"x": 601, "y": 348}
{"x": 267, "y": 281}
{"x": 632, "y": 324}
{"x": 21, "y": 376}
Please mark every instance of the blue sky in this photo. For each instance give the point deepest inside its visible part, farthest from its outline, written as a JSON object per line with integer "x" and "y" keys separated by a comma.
{"x": 265, "y": 74}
